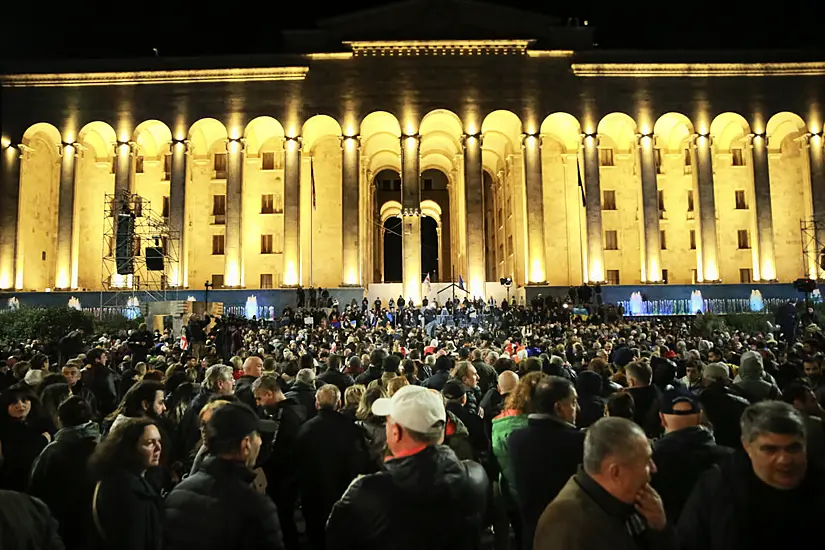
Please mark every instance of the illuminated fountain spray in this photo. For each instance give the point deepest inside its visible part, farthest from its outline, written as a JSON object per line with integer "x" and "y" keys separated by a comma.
{"x": 816, "y": 296}
{"x": 14, "y": 303}
{"x": 251, "y": 307}
{"x": 696, "y": 302}
{"x": 757, "y": 304}
{"x": 636, "y": 303}
{"x": 74, "y": 303}
{"x": 132, "y": 308}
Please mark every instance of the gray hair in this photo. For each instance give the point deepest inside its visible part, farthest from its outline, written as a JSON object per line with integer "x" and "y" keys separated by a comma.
{"x": 306, "y": 376}
{"x": 771, "y": 417}
{"x": 328, "y": 396}
{"x": 611, "y": 437}
{"x": 215, "y": 374}
{"x": 267, "y": 382}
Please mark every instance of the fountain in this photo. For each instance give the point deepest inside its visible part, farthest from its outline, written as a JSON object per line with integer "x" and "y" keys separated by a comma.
{"x": 132, "y": 308}
{"x": 757, "y": 304}
{"x": 14, "y": 303}
{"x": 74, "y": 303}
{"x": 251, "y": 307}
{"x": 190, "y": 299}
{"x": 636, "y": 303}
{"x": 697, "y": 304}
{"x": 816, "y": 296}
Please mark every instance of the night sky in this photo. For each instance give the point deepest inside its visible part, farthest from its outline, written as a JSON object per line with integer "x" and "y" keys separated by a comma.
{"x": 129, "y": 29}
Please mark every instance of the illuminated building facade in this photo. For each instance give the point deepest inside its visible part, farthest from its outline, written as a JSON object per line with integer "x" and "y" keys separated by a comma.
{"x": 534, "y": 156}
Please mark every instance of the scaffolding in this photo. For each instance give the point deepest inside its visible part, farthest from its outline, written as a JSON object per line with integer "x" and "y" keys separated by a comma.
{"x": 813, "y": 246}
{"x": 151, "y": 230}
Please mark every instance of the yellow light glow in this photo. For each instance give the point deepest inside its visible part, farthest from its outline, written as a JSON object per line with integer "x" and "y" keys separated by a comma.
{"x": 175, "y": 276}
{"x": 537, "y": 273}
{"x": 697, "y": 70}
{"x": 352, "y": 277}
{"x": 477, "y": 287}
{"x": 234, "y": 146}
{"x": 5, "y": 142}
{"x": 233, "y": 274}
{"x": 291, "y": 275}
{"x": 711, "y": 272}
{"x": 62, "y": 279}
{"x": 768, "y": 271}
{"x": 262, "y": 74}
{"x": 596, "y": 271}
{"x": 18, "y": 280}
{"x": 5, "y": 279}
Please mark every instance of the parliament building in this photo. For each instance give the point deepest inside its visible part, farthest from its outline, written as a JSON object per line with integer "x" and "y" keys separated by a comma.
{"x": 449, "y": 138}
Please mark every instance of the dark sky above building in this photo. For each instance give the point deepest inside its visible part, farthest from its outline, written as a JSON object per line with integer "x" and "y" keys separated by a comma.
{"x": 129, "y": 29}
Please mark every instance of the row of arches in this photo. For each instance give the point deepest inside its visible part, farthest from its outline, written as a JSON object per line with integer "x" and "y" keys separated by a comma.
{"x": 440, "y": 134}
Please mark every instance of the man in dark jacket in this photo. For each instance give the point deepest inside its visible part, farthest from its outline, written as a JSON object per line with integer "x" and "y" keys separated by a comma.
{"x": 769, "y": 497}
{"x": 332, "y": 374}
{"x": 60, "y": 477}
{"x": 101, "y": 381}
{"x": 723, "y": 405}
{"x": 278, "y": 464}
{"x": 373, "y": 371}
{"x": 26, "y": 523}
{"x": 646, "y": 411}
{"x": 217, "y": 508}
{"x": 323, "y": 481}
{"x": 685, "y": 452}
{"x": 443, "y": 366}
{"x": 424, "y": 480}
{"x": 253, "y": 367}
{"x": 303, "y": 391}
{"x": 547, "y": 452}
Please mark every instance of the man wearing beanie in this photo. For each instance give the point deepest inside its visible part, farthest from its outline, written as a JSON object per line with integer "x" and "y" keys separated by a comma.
{"x": 423, "y": 479}
{"x": 217, "y": 508}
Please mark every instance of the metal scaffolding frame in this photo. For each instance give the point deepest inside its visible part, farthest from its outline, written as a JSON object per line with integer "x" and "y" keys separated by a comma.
{"x": 150, "y": 230}
{"x": 813, "y": 244}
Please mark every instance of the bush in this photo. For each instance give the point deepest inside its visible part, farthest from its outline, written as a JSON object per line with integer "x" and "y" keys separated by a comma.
{"x": 706, "y": 324}
{"x": 749, "y": 323}
{"x": 115, "y": 323}
{"x": 48, "y": 325}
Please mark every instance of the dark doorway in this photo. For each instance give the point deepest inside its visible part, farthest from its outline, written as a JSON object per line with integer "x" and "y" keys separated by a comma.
{"x": 429, "y": 248}
{"x": 392, "y": 250}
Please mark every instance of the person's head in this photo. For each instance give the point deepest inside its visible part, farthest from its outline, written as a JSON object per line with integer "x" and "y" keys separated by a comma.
{"x": 97, "y": 356}
{"x": 415, "y": 416}
{"x": 133, "y": 445}
{"x": 678, "y": 409}
{"x": 16, "y": 403}
{"x": 144, "y": 398}
{"x": 520, "y": 400}
{"x": 219, "y": 379}
{"x": 466, "y": 373}
{"x": 455, "y": 391}
{"x": 233, "y": 433}
{"x": 801, "y": 397}
{"x": 328, "y": 397}
{"x": 617, "y": 455}
{"x": 371, "y": 395}
{"x": 40, "y": 362}
{"x": 556, "y": 396}
{"x": 352, "y": 396}
{"x": 267, "y": 390}
{"x": 396, "y": 384}
{"x": 71, "y": 372}
{"x": 813, "y": 369}
{"x": 715, "y": 356}
{"x": 507, "y": 382}
{"x": 693, "y": 370}
{"x": 621, "y": 405}
{"x": 714, "y": 373}
{"x": 253, "y": 366}
{"x": 773, "y": 435}
{"x": 638, "y": 374}
{"x": 74, "y": 411}
{"x": 334, "y": 362}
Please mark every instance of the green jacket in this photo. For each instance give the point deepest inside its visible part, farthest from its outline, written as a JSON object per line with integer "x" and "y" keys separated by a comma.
{"x": 503, "y": 425}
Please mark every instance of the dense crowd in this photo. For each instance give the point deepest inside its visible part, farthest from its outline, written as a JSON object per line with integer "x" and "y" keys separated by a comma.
{"x": 383, "y": 426}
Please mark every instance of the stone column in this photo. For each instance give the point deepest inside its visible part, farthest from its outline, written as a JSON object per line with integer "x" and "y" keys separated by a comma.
{"x": 764, "y": 214}
{"x": 650, "y": 209}
{"x": 536, "y": 265}
{"x": 350, "y": 211}
{"x": 817, "y": 174}
{"x": 124, "y": 151}
{"x": 65, "y": 216}
{"x": 177, "y": 205}
{"x": 411, "y": 217}
{"x": 10, "y": 191}
{"x": 474, "y": 200}
{"x": 233, "y": 252}
{"x": 593, "y": 211}
{"x": 292, "y": 211}
{"x": 707, "y": 207}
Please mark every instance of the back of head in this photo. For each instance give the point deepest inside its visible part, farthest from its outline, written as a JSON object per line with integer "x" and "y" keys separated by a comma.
{"x": 750, "y": 366}
{"x": 228, "y": 427}
{"x": 640, "y": 372}
{"x": 328, "y": 397}
{"x": 549, "y": 393}
{"x": 74, "y": 411}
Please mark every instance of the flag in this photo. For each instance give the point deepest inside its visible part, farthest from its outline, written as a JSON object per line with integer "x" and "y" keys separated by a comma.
{"x": 312, "y": 179}
{"x": 461, "y": 282}
{"x": 578, "y": 176}
{"x": 427, "y": 283}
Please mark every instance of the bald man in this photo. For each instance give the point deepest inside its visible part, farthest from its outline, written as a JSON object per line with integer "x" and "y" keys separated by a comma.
{"x": 493, "y": 402}
{"x": 253, "y": 367}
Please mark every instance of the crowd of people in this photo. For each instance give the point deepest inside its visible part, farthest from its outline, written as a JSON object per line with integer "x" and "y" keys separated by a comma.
{"x": 539, "y": 431}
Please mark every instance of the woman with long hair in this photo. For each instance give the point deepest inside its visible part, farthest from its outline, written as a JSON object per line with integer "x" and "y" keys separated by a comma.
{"x": 126, "y": 508}
{"x": 373, "y": 426}
{"x": 21, "y": 437}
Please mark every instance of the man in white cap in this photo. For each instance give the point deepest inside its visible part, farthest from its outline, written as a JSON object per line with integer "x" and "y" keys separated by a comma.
{"x": 425, "y": 497}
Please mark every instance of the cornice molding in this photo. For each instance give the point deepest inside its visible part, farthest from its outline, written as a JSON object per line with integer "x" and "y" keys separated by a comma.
{"x": 134, "y": 78}
{"x": 439, "y": 47}
{"x": 697, "y": 70}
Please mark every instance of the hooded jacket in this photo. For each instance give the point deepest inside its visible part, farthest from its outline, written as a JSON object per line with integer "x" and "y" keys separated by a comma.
{"x": 447, "y": 498}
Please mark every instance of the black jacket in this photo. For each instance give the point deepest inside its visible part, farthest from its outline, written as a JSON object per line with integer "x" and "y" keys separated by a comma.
{"x": 372, "y": 373}
{"x": 729, "y": 509}
{"x": 543, "y": 456}
{"x": 437, "y": 380}
{"x": 681, "y": 457}
{"x": 217, "y": 508}
{"x": 61, "y": 480}
{"x": 103, "y": 383}
{"x": 21, "y": 444}
{"x": 724, "y": 407}
{"x": 429, "y": 500}
{"x": 243, "y": 390}
{"x": 305, "y": 395}
{"x": 129, "y": 509}
{"x": 338, "y": 378}
{"x": 25, "y": 523}
{"x": 278, "y": 447}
